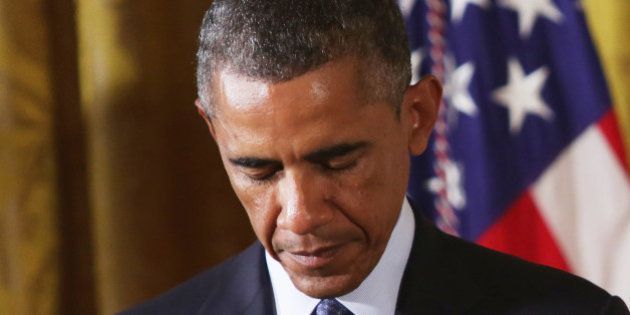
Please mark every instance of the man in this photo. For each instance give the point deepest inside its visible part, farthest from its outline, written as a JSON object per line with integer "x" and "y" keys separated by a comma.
{"x": 309, "y": 104}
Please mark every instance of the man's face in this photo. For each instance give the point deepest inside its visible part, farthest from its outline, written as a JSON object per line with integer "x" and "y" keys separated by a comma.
{"x": 320, "y": 171}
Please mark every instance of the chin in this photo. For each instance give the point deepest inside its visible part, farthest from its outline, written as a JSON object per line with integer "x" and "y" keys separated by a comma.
{"x": 325, "y": 287}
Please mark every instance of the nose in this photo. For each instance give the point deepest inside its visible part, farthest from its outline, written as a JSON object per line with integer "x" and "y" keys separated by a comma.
{"x": 304, "y": 203}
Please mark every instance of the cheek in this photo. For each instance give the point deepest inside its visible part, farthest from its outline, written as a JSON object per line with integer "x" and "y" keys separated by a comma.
{"x": 378, "y": 177}
{"x": 373, "y": 195}
{"x": 362, "y": 194}
{"x": 257, "y": 201}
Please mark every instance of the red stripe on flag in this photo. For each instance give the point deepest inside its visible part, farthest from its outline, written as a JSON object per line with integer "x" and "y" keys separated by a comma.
{"x": 522, "y": 232}
{"x": 610, "y": 128}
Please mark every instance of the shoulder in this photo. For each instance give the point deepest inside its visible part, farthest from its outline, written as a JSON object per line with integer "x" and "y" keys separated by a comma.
{"x": 448, "y": 275}
{"x": 219, "y": 283}
{"x": 514, "y": 286}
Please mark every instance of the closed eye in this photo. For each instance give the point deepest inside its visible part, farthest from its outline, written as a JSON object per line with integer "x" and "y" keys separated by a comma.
{"x": 257, "y": 169}
{"x": 340, "y": 165}
{"x": 262, "y": 175}
{"x": 339, "y": 157}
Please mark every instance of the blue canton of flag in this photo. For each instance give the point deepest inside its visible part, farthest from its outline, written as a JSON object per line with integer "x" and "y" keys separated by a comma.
{"x": 523, "y": 136}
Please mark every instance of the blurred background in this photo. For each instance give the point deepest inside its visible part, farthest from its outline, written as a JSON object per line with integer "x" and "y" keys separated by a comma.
{"x": 111, "y": 189}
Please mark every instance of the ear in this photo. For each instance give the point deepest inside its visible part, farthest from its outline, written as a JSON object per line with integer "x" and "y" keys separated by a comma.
{"x": 202, "y": 112}
{"x": 419, "y": 111}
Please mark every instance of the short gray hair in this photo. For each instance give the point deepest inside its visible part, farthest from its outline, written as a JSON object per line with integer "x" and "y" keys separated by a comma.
{"x": 278, "y": 40}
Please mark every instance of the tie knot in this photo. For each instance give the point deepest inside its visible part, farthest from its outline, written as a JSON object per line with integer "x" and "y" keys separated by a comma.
{"x": 330, "y": 307}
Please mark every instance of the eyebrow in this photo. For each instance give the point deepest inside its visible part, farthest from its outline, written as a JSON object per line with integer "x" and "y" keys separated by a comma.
{"x": 252, "y": 162}
{"x": 318, "y": 156}
{"x": 332, "y": 152}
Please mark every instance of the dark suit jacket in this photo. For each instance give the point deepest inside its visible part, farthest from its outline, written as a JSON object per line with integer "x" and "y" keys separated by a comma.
{"x": 444, "y": 275}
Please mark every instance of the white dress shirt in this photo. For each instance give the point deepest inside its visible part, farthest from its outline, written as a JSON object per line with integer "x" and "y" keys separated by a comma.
{"x": 377, "y": 294}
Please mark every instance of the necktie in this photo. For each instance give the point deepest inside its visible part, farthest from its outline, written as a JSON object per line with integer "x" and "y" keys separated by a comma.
{"x": 330, "y": 307}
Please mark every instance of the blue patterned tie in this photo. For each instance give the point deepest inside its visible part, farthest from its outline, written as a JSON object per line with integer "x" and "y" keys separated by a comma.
{"x": 330, "y": 307}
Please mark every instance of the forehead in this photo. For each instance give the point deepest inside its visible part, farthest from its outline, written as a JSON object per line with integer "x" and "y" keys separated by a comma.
{"x": 328, "y": 89}
{"x": 326, "y": 104}
{"x": 346, "y": 70}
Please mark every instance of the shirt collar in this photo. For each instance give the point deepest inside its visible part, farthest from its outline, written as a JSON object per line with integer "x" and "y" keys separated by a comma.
{"x": 377, "y": 294}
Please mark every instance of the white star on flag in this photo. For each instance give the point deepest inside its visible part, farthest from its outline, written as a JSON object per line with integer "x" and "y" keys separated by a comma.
{"x": 528, "y": 11}
{"x": 456, "y": 89}
{"x": 458, "y": 7}
{"x": 522, "y": 95}
{"x": 454, "y": 185}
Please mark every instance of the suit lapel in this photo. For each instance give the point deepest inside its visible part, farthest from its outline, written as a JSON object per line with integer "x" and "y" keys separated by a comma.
{"x": 245, "y": 288}
{"x": 435, "y": 281}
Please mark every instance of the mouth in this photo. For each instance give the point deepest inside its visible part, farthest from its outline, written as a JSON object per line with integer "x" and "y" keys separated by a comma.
{"x": 314, "y": 259}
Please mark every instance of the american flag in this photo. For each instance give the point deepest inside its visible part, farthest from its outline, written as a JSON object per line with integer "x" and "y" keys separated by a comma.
{"x": 526, "y": 157}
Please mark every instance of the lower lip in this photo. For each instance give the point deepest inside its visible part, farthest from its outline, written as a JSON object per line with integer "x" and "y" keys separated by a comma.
{"x": 315, "y": 262}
